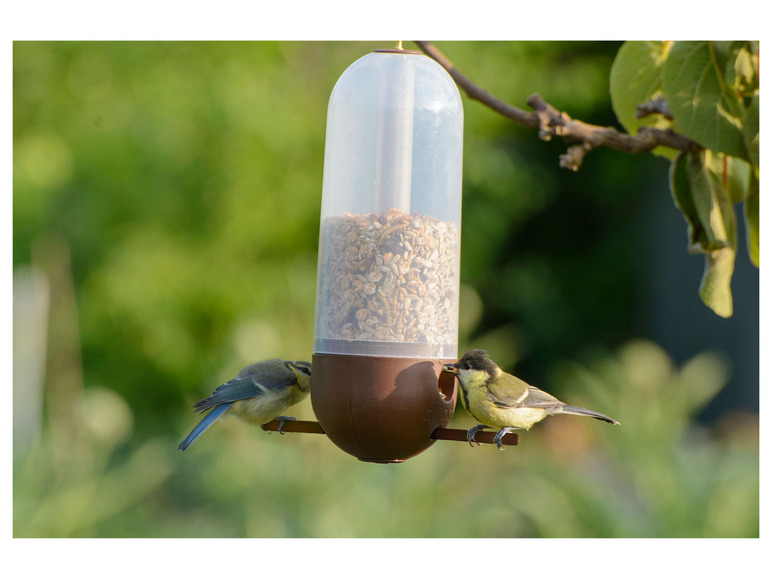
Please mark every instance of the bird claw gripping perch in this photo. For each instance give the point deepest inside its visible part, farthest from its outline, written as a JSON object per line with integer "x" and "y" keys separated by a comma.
{"x": 282, "y": 420}
{"x": 500, "y": 434}
{"x": 471, "y": 434}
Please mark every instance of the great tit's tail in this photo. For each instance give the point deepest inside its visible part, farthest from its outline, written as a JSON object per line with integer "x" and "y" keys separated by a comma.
{"x": 202, "y": 426}
{"x": 579, "y": 411}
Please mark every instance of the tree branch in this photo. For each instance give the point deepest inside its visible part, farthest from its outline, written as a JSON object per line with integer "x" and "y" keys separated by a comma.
{"x": 654, "y": 106}
{"x": 552, "y": 122}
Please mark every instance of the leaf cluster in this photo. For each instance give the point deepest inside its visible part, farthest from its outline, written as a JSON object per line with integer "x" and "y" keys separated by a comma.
{"x": 709, "y": 92}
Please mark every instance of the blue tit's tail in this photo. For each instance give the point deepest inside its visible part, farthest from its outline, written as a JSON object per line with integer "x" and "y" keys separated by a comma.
{"x": 202, "y": 426}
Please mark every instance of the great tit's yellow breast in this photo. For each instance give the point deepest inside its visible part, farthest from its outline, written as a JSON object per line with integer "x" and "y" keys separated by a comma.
{"x": 475, "y": 403}
{"x": 474, "y": 393}
{"x": 480, "y": 403}
{"x": 521, "y": 417}
{"x": 488, "y": 413}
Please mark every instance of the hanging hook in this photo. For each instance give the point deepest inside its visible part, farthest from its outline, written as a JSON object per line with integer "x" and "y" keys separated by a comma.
{"x": 398, "y": 49}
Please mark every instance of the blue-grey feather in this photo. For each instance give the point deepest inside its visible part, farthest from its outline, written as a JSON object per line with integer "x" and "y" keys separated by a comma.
{"x": 262, "y": 381}
{"x": 202, "y": 426}
{"x": 270, "y": 375}
{"x": 236, "y": 389}
{"x": 274, "y": 374}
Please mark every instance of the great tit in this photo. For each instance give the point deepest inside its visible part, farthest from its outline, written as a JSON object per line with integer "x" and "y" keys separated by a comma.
{"x": 500, "y": 400}
{"x": 260, "y": 393}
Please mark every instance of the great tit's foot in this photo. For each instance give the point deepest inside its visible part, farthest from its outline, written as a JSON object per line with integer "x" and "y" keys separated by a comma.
{"x": 471, "y": 432}
{"x": 282, "y": 420}
{"x": 500, "y": 434}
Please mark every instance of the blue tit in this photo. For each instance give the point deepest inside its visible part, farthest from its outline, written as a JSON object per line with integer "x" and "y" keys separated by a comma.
{"x": 260, "y": 393}
{"x": 500, "y": 400}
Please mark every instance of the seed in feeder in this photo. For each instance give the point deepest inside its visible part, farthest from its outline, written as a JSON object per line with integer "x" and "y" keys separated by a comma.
{"x": 408, "y": 278}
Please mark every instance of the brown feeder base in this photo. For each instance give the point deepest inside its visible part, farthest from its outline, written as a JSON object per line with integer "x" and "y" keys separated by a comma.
{"x": 381, "y": 409}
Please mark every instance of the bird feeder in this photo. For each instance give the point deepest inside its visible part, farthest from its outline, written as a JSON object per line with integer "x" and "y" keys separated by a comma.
{"x": 389, "y": 249}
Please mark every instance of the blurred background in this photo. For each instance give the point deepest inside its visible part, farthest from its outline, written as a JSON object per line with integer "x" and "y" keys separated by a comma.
{"x": 165, "y": 227}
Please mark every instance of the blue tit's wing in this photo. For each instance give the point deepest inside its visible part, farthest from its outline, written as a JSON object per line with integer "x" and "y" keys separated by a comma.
{"x": 274, "y": 374}
{"x": 236, "y": 389}
{"x": 202, "y": 426}
{"x": 269, "y": 376}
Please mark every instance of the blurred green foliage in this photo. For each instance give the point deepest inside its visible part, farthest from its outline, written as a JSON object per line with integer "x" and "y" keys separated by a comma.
{"x": 170, "y": 193}
{"x": 657, "y": 475}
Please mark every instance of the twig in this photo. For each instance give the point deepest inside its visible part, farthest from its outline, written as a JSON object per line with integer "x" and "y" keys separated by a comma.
{"x": 474, "y": 92}
{"x": 552, "y": 122}
{"x": 656, "y": 106}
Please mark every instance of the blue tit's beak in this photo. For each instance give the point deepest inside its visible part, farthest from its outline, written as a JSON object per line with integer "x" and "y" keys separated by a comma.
{"x": 450, "y": 368}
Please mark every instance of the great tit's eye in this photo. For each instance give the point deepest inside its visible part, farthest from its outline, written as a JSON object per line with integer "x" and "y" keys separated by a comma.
{"x": 467, "y": 366}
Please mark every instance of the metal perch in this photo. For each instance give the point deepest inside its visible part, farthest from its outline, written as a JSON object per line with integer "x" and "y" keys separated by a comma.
{"x": 310, "y": 427}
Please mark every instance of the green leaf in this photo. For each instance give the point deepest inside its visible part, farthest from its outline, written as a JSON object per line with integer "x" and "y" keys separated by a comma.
{"x": 734, "y": 173}
{"x": 742, "y": 86}
{"x": 704, "y": 201}
{"x": 751, "y": 130}
{"x": 636, "y": 79}
{"x": 715, "y": 287}
{"x": 703, "y": 108}
{"x": 683, "y": 196}
{"x": 740, "y": 61}
{"x": 700, "y": 195}
{"x": 751, "y": 211}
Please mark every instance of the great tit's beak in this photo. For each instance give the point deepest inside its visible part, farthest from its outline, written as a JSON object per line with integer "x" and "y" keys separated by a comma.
{"x": 450, "y": 368}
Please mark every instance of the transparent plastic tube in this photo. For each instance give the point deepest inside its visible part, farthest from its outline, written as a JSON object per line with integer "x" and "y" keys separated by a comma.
{"x": 389, "y": 245}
